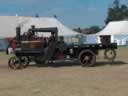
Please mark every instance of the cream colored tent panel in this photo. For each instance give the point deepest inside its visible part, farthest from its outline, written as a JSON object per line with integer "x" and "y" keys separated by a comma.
{"x": 115, "y": 28}
{"x": 49, "y": 22}
{"x": 8, "y": 25}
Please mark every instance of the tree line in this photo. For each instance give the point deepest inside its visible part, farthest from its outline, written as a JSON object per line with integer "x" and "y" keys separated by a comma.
{"x": 116, "y": 12}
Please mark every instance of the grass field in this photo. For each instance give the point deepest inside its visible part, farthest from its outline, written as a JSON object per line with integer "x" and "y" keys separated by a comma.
{"x": 102, "y": 80}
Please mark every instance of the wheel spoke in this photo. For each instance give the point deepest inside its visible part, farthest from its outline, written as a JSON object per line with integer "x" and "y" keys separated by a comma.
{"x": 14, "y": 63}
{"x": 87, "y": 58}
{"x": 110, "y": 54}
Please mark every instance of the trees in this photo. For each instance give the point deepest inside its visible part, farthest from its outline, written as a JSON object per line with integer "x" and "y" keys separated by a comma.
{"x": 94, "y": 29}
{"x": 117, "y": 12}
{"x": 90, "y": 30}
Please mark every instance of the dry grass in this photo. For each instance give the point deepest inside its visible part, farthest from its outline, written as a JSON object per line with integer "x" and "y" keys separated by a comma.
{"x": 103, "y": 80}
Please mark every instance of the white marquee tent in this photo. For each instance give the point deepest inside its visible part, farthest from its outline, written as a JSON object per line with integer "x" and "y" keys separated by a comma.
{"x": 8, "y": 26}
{"x": 9, "y": 23}
{"x": 115, "y": 28}
{"x": 49, "y": 22}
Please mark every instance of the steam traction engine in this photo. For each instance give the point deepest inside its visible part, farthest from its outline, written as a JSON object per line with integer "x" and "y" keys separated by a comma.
{"x": 41, "y": 50}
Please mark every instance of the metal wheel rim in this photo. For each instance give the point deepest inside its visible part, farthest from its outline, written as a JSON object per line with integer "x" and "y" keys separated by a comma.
{"x": 110, "y": 54}
{"x": 14, "y": 63}
{"x": 86, "y": 59}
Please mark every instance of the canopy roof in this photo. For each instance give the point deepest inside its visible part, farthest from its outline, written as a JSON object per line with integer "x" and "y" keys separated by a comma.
{"x": 49, "y": 22}
{"x": 115, "y": 28}
{"x": 8, "y": 25}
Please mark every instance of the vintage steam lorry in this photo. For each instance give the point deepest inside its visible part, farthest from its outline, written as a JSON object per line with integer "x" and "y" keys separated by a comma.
{"x": 43, "y": 50}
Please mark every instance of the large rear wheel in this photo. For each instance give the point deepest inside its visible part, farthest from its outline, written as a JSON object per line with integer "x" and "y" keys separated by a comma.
{"x": 87, "y": 58}
{"x": 14, "y": 63}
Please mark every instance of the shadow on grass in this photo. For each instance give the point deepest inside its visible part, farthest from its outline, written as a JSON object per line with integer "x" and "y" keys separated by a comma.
{"x": 114, "y": 63}
{"x": 56, "y": 64}
{"x": 64, "y": 64}
{"x": 75, "y": 63}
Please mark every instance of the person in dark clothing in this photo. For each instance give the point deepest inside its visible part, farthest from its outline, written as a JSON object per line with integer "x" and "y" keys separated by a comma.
{"x": 45, "y": 43}
{"x": 52, "y": 37}
{"x": 49, "y": 50}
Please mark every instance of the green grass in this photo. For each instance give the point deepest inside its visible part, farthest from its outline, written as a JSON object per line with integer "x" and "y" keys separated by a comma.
{"x": 2, "y": 53}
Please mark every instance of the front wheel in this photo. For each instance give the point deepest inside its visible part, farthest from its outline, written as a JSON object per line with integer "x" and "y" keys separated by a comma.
{"x": 24, "y": 61}
{"x": 87, "y": 58}
{"x": 110, "y": 54}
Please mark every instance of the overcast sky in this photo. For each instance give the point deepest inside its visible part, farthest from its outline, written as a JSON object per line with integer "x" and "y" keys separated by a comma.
{"x": 73, "y": 13}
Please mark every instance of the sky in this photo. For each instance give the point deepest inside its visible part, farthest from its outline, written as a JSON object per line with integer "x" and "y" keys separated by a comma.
{"x": 73, "y": 13}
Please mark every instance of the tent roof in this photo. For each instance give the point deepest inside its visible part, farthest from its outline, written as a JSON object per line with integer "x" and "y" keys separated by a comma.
{"x": 115, "y": 28}
{"x": 49, "y": 22}
{"x": 9, "y": 23}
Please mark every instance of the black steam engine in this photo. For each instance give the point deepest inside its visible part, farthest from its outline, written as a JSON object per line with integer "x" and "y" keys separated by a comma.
{"x": 42, "y": 50}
